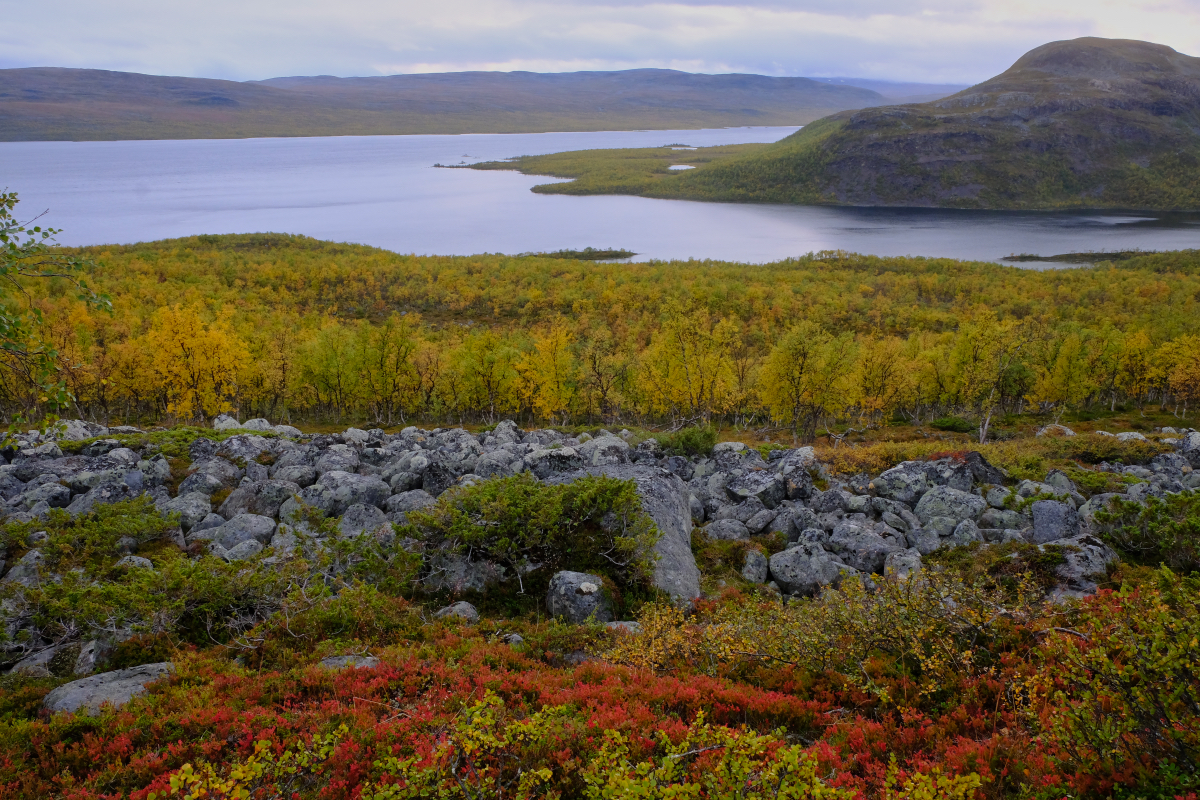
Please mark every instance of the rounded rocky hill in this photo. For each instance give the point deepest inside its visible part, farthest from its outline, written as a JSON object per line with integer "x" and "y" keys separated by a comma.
{"x": 1087, "y": 123}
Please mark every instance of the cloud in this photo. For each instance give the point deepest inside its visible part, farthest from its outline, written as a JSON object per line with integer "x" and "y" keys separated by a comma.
{"x": 932, "y": 40}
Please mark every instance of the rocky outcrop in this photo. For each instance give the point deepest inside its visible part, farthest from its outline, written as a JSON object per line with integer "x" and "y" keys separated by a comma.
{"x": 89, "y": 695}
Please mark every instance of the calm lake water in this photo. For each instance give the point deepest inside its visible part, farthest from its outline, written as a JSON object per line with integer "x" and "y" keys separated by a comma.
{"x": 384, "y": 191}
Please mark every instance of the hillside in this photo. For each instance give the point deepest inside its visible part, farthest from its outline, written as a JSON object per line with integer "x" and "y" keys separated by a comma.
{"x": 248, "y": 564}
{"x": 73, "y": 104}
{"x": 1088, "y": 123}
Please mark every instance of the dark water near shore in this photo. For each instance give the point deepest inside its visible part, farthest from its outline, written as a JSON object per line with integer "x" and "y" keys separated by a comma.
{"x": 383, "y": 191}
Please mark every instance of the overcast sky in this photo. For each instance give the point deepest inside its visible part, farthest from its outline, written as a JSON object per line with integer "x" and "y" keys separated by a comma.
{"x": 957, "y": 41}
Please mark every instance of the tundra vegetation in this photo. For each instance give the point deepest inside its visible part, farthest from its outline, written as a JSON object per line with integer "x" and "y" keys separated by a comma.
{"x": 613, "y": 571}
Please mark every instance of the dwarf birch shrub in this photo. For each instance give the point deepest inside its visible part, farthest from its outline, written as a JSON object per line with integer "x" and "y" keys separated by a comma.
{"x": 935, "y": 630}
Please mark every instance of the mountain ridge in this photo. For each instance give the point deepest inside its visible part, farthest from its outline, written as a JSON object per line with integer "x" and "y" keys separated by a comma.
{"x": 1082, "y": 123}
{"x": 49, "y": 103}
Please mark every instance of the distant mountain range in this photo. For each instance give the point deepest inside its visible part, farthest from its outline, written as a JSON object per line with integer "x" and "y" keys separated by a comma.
{"x": 85, "y": 104}
{"x": 1087, "y": 123}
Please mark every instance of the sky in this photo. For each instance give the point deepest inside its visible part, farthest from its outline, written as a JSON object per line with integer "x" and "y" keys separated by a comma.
{"x": 950, "y": 41}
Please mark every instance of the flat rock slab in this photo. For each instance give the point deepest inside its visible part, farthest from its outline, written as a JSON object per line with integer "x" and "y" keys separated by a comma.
{"x": 88, "y": 695}
{"x": 344, "y": 662}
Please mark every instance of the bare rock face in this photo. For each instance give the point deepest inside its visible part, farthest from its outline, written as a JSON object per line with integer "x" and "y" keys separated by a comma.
{"x": 578, "y": 597}
{"x": 88, "y": 695}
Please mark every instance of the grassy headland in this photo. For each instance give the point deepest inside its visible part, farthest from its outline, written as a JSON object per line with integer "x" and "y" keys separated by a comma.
{"x": 1090, "y": 123}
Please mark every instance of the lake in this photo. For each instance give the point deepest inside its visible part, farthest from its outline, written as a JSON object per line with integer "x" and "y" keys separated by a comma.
{"x": 384, "y": 191}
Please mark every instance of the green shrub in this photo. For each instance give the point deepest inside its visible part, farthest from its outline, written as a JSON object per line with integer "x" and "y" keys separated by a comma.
{"x": 1126, "y": 686}
{"x": 693, "y": 441}
{"x": 954, "y": 425}
{"x": 1159, "y": 531}
{"x": 593, "y": 524}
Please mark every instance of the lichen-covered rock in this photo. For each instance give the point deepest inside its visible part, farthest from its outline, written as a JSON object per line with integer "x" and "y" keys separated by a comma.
{"x": 192, "y": 508}
{"x": 102, "y": 495}
{"x": 943, "y": 501}
{"x": 578, "y": 597}
{"x": 462, "y": 610}
{"x": 727, "y": 530}
{"x": 243, "y": 447}
{"x": 805, "y": 569}
{"x": 755, "y": 567}
{"x": 1053, "y": 520}
{"x": 224, "y": 422}
{"x": 362, "y": 519}
{"x": 906, "y": 482}
{"x": 88, "y": 695}
{"x": 242, "y": 528}
{"x": 348, "y": 662}
{"x": 263, "y": 498}
{"x": 861, "y": 547}
{"x": 334, "y": 492}
{"x": 545, "y": 462}
{"x": 903, "y": 564}
{"x": 769, "y": 488}
{"x": 1087, "y": 559}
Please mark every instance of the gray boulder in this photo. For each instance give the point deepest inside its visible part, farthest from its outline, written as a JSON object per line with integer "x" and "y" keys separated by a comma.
{"x": 461, "y": 610}
{"x": 982, "y": 471}
{"x": 88, "y": 695}
{"x": 27, "y": 571}
{"x": 409, "y": 501}
{"x": 902, "y": 564}
{"x": 1087, "y": 559}
{"x": 243, "y": 447}
{"x": 767, "y": 487}
{"x": 201, "y": 483}
{"x": 604, "y": 450}
{"x": 924, "y": 540}
{"x": 54, "y": 495}
{"x": 102, "y": 495}
{"x": 351, "y": 662}
{"x": 192, "y": 508}
{"x": 943, "y": 501}
{"x": 362, "y": 519}
{"x": 862, "y": 548}
{"x": 437, "y": 478}
{"x": 497, "y": 463}
{"x": 258, "y": 424}
{"x": 727, "y": 529}
{"x": 226, "y": 474}
{"x": 334, "y": 492}
{"x": 1002, "y": 518}
{"x": 263, "y": 498}
{"x": 906, "y": 482}
{"x": 224, "y": 422}
{"x": 578, "y": 597}
{"x": 965, "y": 533}
{"x": 74, "y": 430}
{"x": 338, "y": 458}
{"x": 755, "y": 567}
{"x": 454, "y": 573}
{"x": 241, "y": 551}
{"x": 544, "y": 462}
{"x": 135, "y": 562}
{"x": 1053, "y": 520}
{"x": 806, "y": 569}
{"x": 301, "y": 475}
{"x": 242, "y": 528}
